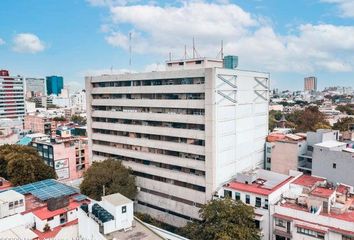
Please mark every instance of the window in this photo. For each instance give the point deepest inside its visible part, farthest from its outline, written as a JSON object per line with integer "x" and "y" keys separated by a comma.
{"x": 248, "y": 199}
{"x": 269, "y": 160}
{"x": 50, "y": 219}
{"x": 265, "y": 204}
{"x": 334, "y": 165}
{"x": 11, "y": 205}
{"x": 237, "y": 196}
{"x": 309, "y": 232}
{"x": 124, "y": 209}
{"x": 279, "y": 222}
{"x": 198, "y": 62}
{"x": 258, "y": 202}
{"x": 345, "y": 237}
{"x": 227, "y": 193}
{"x": 269, "y": 149}
{"x": 258, "y": 224}
{"x": 21, "y": 202}
{"x": 310, "y": 148}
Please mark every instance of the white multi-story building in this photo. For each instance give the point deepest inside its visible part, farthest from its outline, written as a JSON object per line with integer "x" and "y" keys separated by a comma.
{"x": 184, "y": 132}
{"x": 12, "y": 103}
{"x": 78, "y": 101}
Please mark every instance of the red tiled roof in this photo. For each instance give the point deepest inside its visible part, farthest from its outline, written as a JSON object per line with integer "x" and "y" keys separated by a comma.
{"x": 255, "y": 187}
{"x": 322, "y": 192}
{"x": 52, "y": 233}
{"x": 307, "y": 181}
{"x": 43, "y": 213}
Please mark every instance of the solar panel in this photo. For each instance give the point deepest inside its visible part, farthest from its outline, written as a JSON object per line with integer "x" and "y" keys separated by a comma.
{"x": 46, "y": 189}
{"x": 80, "y": 197}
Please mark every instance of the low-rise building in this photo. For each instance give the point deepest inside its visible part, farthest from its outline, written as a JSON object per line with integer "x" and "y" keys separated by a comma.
{"x": 68, "y": 155}
{"x": 10, "y": 130}
{"x": 314, "y": 209}
{"x": 259, "y": 188}
{"x": 40, "y": 210}
{"x": 295, "y": 206}
{"x": 113, "y": 218}
{"x": 286, "y": 152}
{"x": 335, "y": 161}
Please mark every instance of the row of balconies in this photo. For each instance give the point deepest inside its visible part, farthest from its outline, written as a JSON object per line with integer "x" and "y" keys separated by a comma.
{"x": 166, "y": 117}
{"x": 158, "y": 103}
{"x": 180, "y": 147}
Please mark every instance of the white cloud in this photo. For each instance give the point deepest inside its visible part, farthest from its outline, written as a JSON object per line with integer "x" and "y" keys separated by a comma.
{"x": 163, "y": 29}
{"x": 103, "y": 3}
{"x": 2, "y": 41}
{"x": 27, "y": 43}
{"x": 345, "y": 6}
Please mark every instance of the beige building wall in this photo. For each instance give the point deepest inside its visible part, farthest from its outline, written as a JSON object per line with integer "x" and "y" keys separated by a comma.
{"x": 284, "y": 157}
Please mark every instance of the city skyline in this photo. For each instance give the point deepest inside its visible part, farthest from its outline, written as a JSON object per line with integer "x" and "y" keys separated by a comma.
{"x": 78, "y": 38}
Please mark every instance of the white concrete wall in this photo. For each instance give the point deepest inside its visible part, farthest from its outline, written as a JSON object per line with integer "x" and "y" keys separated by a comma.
{"x": 241, "y": 128}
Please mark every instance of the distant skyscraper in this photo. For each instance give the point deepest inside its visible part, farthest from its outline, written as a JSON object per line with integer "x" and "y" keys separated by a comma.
{"x": 12, "y": 103}
{"x": 54, "y": 85}
{"x": 35, "y": 87}
{"x": 310, "y": 84}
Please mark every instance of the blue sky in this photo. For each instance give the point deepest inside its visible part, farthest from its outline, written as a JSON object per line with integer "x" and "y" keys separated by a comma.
{"x": 72, "y": 38}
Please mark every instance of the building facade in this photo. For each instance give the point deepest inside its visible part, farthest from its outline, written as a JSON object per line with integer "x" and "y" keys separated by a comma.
{"x": 286, "y": 152}
{"x": 334, "y": 161}
{"x": 12, "y": 102}
{"x": 184, "y": 131}
{"x": 35, "y": 87}
{"x": 68, "y": 156}
{"x": 54, "y": 85}
{"x": 310, "y": 84}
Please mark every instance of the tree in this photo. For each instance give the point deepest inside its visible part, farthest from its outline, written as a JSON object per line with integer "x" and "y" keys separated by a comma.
{"x": 59, "y": 119}
{"x": 274, "y": 117}
{"x": 111, "y": 175}
{"x": 309, "y": 119}
{"x": 22, "y": 165}
{"x": 347, "y": 109}
{"x": 78, "y": 119}
{"x": 344, "y": 124}
{"x": 223, "y": 219}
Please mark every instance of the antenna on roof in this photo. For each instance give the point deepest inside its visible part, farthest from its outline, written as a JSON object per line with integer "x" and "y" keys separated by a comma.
{"x": 185, "y": 51}
{"x": 221, "y": 53}
{"x": 130, "y": 51}
{"x": 170, "y": 56}
{"x": 195, "y": 52}
{"x": 193, "y": 48}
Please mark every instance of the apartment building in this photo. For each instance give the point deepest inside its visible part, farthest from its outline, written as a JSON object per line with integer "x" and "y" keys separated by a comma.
{"x": 67, "y": 155}
{"x": 12, "y": 102}
{"x": 184, "y": 131}
{"x": 310, "y": 84}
